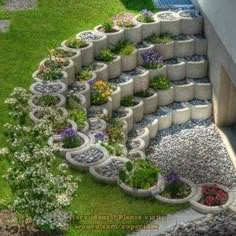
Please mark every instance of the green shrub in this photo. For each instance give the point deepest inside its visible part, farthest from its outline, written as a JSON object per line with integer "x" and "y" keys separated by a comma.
{"x": 124, "y": 48}
{"x": 115, "y": 131}
{"x": 84, "y": 75}
{"x": 46, "y": 100}
{"x": 128, "y": 101}
{"x": 160, "y": 83}
{"x": 107, "y": 27}
{"x": 114, "y": 149}
{"x": 79, "y": 117}
{"x": 160, "y": 39}
{"x": 76, "y": 43}
{"x": 105, "y": 55}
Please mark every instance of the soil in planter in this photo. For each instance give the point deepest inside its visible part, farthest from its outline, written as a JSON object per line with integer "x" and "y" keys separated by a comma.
{"x": 185, "y": 190}
{"x": 136, "y": 132}
{"x": 180, "y": 82}
{"x": 119, "y": 114}
{"x": 77, "y": 88}
{"x": 175, "y": 106}
{"x": 113, "y": 30}
{"x": 200, "y": 36}
{"x": 111, "y": 170}
{"x": 144, "y": 94}
{"x": 47, "y": 88}
{"x": 137, "y": 71}
{"x": 181, "y": 37}
{"x": 133, "y": 144}
{"x": 189, "y": 14}
{"x": 90, "y": 156}
{"x": 120, "y": 80}
{"x": 195, "y": 58}
{"x": 167, "y": 16}
{"x": 159, "y": 113}
{"x": 172, "y": 61}
{"x": 202, "y": 80}
{"x": 141, "y": 45}
{"x": 197, "y": 102}
{"x": 88, "y": 36}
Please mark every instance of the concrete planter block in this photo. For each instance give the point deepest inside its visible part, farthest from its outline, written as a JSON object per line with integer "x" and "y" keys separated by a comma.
{"x": 48, "y": 87}
{"x": 98, "y": 44}
{"x": 141, "y": 50}
{"x": 93, "y": 170}
{"x": 197, "y": 69}
{"x": 156, "y": 72}
{"x": 201, "y": 112}
{"x": 176, "y": 71}
{"x": 129, "y": 62}
{"x": 145, "y": 136}
{"x": 153, "y": 126}
{"x": 86, "y": 53}
{"x": 189, "y": 24}
{"x": 166, "y": 97}
{"x": 85, "y": 130}
{"x": 101, "y": 71}
{"x": 136, "y": 155}
{"x": 55, "y": 144}
{"x": 85, "y": 92}
{"x": 203, "y": 91}
{"x": 211, "y": 209}
{"x": 166, "y": 50}
{"x": 139, "y": 80}
{"x": 107, "y": 106}
{"x": 61, "y": 103}
{"x": 70, "y": 70}
{"x": 150, "y": 103}
{"x": 165, "y": 121}
{"x": 178, "y": 201}
{"x": 64, "y": 78}
{"x": 150, "y": 28}
{"x": 170, "y": 22}
{"x": 93, "y": 124}
{"x": 128, "y": 118}
{"x": 116, "y": 96}
{"x": 139, "y": 145}
{"x": 134, "y": 34}
{"x": 181, "y": 116}
{"x": 71, "y": 157}
{"x": 140, "y": 193}
{"x": 112, "y": 38}
{"x": 184, "y": 92}
{"x": 200, "y": 45}
{"x": 114, "y": 67}
{"x": 184, "y": 48}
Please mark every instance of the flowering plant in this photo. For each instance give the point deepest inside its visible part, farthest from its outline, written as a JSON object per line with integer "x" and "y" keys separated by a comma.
{"x": 213, "y": 195}
{"x": 62, "y": 53}
{"x": 47, "y": 73}
{"x": 85, "y": 75}
{"x": 152, "y": 59}
{"x": 160, "y": 39}
{"x": 70, "y": 138}
{"x": 146, "y": 16}
{"x": 101, "y": 90}
{"x": 46, "y": 100}
{"x": 124, "y": 19}
{"x": 76, "y": 43}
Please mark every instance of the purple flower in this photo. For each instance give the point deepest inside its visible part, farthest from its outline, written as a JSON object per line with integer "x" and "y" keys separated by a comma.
{"x": 172, "y": 177}
{"x": 100, "y": 136}
{"x": 152, "y": 57}
{"x": 68, "y": 133}
{"x": 146, "y": 13}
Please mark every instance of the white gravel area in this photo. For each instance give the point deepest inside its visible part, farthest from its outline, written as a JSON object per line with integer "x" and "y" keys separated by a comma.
{"x": 17, "y": 5}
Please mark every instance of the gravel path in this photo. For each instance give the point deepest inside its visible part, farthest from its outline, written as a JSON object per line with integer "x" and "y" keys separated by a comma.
{"x": 195, "y": 151}
{"x": 16, "y": 5}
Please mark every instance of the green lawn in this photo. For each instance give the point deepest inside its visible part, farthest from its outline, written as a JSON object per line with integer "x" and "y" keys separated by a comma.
{"x": 31, "y": 33}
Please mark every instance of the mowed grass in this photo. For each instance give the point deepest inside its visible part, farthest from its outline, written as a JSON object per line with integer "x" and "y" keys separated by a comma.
{"x": 31, "y": 33}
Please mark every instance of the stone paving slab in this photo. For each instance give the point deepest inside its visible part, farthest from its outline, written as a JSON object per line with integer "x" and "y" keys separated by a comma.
{"x": 18, "y": 5}
{"x": 170, "y": 222}
{"x": 4, "y": 26}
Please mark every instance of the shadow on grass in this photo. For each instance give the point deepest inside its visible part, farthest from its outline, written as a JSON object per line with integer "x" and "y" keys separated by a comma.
{"x": 138, "y": 5}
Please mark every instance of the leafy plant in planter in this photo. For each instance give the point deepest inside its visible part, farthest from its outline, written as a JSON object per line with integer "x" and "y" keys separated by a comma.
{"x": 108, "y": 27}
{"x": 124, "y": 19}
{"x": 174, "y": 187}
{"x": 213, "y": 195}
{"x": 152, "y": 59}
{"x": 46, "y": 100}
{"x": 114, "y": 149}
{"x": 128, "y": 101}
{"x": 70, "y": 138}
{"x": 76, "y": 43}
{"x": 124, "y": 48}
{"x": 73, "y": 101}
{"x": 46, "y": 73}
{"x": 61, "y": 53}
{"x": 160, "y": 82}
{"x": 160, "y": 39}
{"x": 115, "y": 131}
{"x": 85, "y": 74}
{"x": 101, "y": 90}
{"x": 79, "y": 117}
{"x": 105, "y": 55}
{"x": 55, "y": 63}
{"x": 139, "y": 174}
{"x": 146, "y": 16}
{"x": 145, "y": 92}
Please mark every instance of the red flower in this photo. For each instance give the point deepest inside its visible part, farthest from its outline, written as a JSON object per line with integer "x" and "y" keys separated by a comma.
{"x": 209, "y": 200}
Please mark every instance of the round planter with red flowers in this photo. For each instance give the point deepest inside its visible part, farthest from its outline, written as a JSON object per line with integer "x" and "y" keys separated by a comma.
{"x": 212, "y": 198}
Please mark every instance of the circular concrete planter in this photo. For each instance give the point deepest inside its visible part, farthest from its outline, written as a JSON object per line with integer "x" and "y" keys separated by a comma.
{"x": 116, "y": 95}
{"x": 139, "y": 80}
{"x": 128, "y": 118}
{"x": 150, "y": 28}
{"x": 166, "y": 50}
{"x": 64, "y": 78}
{"x": 166, "y": 97}
{"x": 184, "y": 92}
{"x": 85, "y": 129}
{"x": 150, "y": 103}
{"x": 112, "y": 38}
{"x": 141, "y": 50}
{"x": 181, "y": 115}
{"x": 93, "y": 170}
{"x": 61, "y": 102}
{"x": 135, "y": 147}
{"x": 152, "y": 127}
{"x": 100, "y": 124}
{"x": 114, "y": 67}
{"x": 211, "y": 209}
{"x": 52, "y": 142}
{"x": 40, "y": 88}
{"x": 129, "y": 62}
{"x": 156, "y": 72}
{"x": 85, "y": 92}
{"x": 203, "y": 91}
{"x": 140, "y": 193}
{"x": 184, "y": 48}
{"x": 178, "y": 201}
{"x": 189, "y": 24}
{"x": 145, "y": 136}
{"x": 200, "y": 45}
{"x": 134, "y": 34}
{"x": 197, "y": 69}
{"x": 101, "y": 71}
{"x": 107, "y": 106}
{"x": 201, "y": 112}
{"x": 72, "y": 157}
{"x": 86, "y": 53}
{"x": 98, "y": 44}
{"x": 170, "y": 24}
{"x": 136, "y": 155}
{"x": 176, "y": 71}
